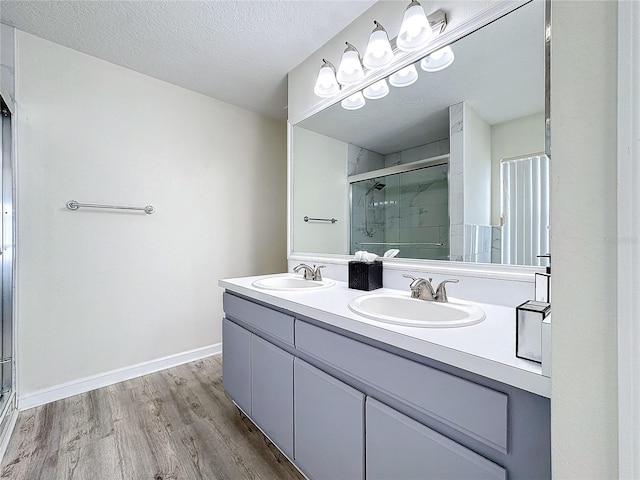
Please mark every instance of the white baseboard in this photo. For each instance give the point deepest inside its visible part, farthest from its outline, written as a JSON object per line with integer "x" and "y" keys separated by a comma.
{"x": 87, "y": 384}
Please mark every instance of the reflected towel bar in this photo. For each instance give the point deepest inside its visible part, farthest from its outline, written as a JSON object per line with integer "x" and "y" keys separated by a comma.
{"x": 73, "y": 205}
{"x": 332, "y": 220}
{"x": 401, "y": 243}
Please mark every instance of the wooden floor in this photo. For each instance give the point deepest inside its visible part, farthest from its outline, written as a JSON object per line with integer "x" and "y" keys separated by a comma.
{"x": 174, "y": 424}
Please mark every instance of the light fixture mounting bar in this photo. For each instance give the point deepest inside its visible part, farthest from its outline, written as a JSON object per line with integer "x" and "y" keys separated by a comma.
{"x": 438, "y": 21}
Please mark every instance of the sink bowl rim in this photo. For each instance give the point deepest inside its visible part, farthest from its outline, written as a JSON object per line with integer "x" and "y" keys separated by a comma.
{"x": 475, "y": 313}
{"x": 317, "y": 285}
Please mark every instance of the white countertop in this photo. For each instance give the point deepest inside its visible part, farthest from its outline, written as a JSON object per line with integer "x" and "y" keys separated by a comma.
{"x": 487, "y": 348}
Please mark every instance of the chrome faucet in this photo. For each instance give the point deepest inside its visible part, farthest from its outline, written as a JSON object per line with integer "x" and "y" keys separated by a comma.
{"x": 423, "y": 289}
{"x": 310, "y": 273}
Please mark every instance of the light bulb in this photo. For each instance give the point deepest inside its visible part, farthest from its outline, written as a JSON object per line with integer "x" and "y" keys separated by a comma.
{"x": 350, "y": 70}
{"x": 378, "y": 90}
{"x": 379, "y": 53}
{"x": 438, "y": 60}
{"x": 405, "y": 77}
{"x": 326, "y": 83}
{"x": 353, "y": 102}
{"x": 415, "y": 31}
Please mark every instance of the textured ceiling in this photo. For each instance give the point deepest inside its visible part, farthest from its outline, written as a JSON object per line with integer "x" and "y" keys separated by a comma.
{"x": 236, "y": 51}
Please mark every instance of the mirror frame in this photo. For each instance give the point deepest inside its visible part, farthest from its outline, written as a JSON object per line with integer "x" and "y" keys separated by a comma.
{"x": 495, "y": 271}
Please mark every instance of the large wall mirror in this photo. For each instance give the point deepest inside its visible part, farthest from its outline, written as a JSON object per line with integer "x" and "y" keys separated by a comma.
{"x": 450, "y": 167}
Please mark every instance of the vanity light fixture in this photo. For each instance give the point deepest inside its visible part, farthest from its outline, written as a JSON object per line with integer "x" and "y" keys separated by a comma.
{"x": 326, "y": 83}
{"x": 378, "y": 90}
{"x": 438, "y": 60}
{"x": 405, "y": 77}
{"x": 353, "y": 102}
{"x": 379, "y": 53}
{"x": 415, "y": 31}
{"x": 350, "y": 70}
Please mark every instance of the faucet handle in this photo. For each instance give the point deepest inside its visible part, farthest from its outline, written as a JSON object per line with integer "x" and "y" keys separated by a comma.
{"x": 406, "y": 275}
{"x": 441, "y": 291}
{"x": 317, "y": 274}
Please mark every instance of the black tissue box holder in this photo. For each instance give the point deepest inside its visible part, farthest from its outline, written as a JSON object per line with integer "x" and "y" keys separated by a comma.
{"x": 365, "y": 275}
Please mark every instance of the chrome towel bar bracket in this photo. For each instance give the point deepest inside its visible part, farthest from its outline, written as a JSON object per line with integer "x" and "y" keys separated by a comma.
{"x": 73, "y": 205}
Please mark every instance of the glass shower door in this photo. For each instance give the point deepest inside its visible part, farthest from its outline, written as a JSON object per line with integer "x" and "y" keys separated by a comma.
{"x": 408, "y": 210}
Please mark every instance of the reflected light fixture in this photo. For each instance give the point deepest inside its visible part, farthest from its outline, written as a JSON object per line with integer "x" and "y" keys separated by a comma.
{"x": 350, "y": 70}
{"x": 379, "y": 53}
{"x": 438, "y": 60}
{"x": 375, "y": 91}
{"x": 353, "y": 102}
{"x": 415, "y": 31}
{"x": 405, "y": 77}
{"x": 326, "y": 83}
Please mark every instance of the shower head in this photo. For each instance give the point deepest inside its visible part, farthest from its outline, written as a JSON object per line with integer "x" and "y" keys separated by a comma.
{"x": 376, "y": 186}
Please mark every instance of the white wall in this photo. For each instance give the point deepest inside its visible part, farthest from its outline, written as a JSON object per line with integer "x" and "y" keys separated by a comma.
{"x": 100, "y": 290}
{"x": 477, "y": 167}
{"x": 514, "y": 138}
{"x": 583, "y": 228}
{"x": 320, "y": 190}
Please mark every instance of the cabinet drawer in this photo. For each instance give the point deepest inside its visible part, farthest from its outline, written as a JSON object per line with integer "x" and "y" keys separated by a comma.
{"x": 473, "y": 409}
{"x": 277, "y": 324}
{"x": 401, "y": 448}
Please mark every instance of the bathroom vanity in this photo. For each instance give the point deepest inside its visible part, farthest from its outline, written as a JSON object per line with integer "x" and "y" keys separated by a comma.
{"x": 344, "y": 396}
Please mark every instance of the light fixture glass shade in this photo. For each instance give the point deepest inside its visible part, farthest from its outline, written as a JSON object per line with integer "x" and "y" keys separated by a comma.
{"x": 353, "y": 102}
{"x": 326, "y": 83}
{"x": 378, "y": 53}
{"x": 438, "y": 60}
{"x": 415, "y": 31}
{"x": 377, "y": 90}
{"x": 350, "y": 70}
{"x": 405, "y": 77}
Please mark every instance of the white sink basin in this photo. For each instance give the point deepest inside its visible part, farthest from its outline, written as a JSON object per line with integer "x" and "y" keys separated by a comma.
{"x": 401, "y": 309}
{"x": 290, "y": 281}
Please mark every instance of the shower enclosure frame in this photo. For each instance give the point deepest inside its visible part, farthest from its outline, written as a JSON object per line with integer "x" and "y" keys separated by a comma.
{"x": 8, "y": 397}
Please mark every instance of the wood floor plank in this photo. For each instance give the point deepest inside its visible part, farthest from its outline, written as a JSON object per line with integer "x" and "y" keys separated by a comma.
{"x": 174, "y": 424}
{"x": 29, "y": 453}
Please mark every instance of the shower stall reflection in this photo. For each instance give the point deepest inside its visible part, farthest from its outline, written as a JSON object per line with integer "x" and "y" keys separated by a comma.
{"x": 408, "y": 211}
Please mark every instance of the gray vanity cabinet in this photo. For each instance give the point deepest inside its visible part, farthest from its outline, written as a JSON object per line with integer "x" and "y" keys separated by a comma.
{"x": 272, "y": 392}
{"x": 343, "y": 408}
{"x": 329, "y": 425}
{"x": 403, "y": 449}
{"x": 236, "y": 367}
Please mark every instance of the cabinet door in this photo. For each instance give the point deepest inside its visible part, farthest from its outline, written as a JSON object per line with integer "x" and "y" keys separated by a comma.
{"x": 329, "y": 425}
{"x": 236, "y": 364}
{"x": 272, "y": 392}
{"x": 401, "y": 448}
